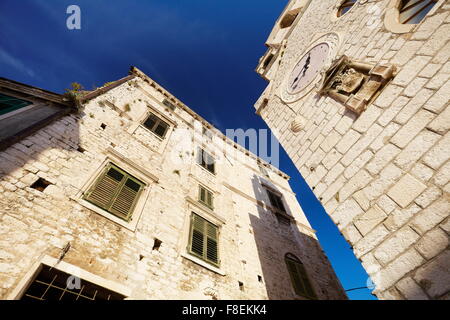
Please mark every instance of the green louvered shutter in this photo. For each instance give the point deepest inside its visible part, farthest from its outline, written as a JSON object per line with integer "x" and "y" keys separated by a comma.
{"x": 204, "y": 240}
{"x": 202, "y": 194}
{"x": 209, "y": 199}
{"x": 212, "y": 248}
{"x": 115, "y": 191}
{"x": 197, "y": 235}
{"x": 206, "y": 197}
{"x": 126, "y": 198}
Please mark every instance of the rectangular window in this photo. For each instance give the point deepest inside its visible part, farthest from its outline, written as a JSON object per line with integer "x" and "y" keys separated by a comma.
{"x": 116, "y": 192}
{"x": 53, "y": 284}
{"x": 8, "y": 103}
{"x": 207, "y": 133}
{"x": 276, "y": 201}
{"x": 169, "y": 104}
{"x": 206, "y": 160}
{"x": 206, "y": 197}
{"x": 156, "y": 125}
{"x": 203, "y": 240}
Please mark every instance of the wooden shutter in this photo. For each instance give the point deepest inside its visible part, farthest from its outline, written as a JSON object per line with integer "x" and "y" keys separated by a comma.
{"x": 206, "y": 197}
{"x": 125, "y": 200}
{"x": 105, "y": 188}
{"x": 204, "y": 240}
{"x": 197, "y": 235}
{"x": 202, "y": 194}
{"x": 115, "y": 191}
{"x": 299, "y": 278}
{"x": 305, "y": 281}
{"x": 280, "y": 204}
{"x": 295, "y": 277}
{"x": 212, "y": 248}
{"x": 209, "y": 199}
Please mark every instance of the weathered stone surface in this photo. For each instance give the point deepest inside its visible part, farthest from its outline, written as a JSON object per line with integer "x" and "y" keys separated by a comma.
{"x": 369, "y": 219}
{"x": 72, "y": 152}
{"x": 434, "y": 277}
{"x": 411, "y": 290}
{"x": 393, "y": 156}
{"x": 406, "y": 190}
{"x": 400, "y": 241}
{"x": 433, "y": 243}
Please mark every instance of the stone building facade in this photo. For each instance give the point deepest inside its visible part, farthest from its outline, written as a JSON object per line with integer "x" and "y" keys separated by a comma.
{"x": 358, "y": 96}
{"x": 112, "y": 198}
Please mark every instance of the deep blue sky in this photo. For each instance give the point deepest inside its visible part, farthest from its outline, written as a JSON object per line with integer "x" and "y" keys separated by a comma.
{"x": 202, "y": 51}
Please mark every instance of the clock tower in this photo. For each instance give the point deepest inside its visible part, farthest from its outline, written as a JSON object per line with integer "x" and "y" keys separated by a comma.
{"x": 358, "y": 95}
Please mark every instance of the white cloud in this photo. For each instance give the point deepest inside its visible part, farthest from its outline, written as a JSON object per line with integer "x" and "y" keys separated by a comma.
{"x": 15, "y": 63}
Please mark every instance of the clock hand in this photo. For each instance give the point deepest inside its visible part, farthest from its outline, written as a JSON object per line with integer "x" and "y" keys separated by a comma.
{"x": 303, "y": 71}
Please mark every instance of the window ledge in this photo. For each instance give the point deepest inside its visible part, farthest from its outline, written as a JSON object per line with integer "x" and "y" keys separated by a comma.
{"x": 203, "y": 168}
{"x": 152, "y": 133}
{"x": 203, "y": 264}
{"x": 212, "y": 215}
{"x": 131, "y": 225}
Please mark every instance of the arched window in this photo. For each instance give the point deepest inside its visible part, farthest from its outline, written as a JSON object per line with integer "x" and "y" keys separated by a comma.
{"x": 299, "y": 278}
{"x": 413, "y": 11}
{"x": 345, "y": 7}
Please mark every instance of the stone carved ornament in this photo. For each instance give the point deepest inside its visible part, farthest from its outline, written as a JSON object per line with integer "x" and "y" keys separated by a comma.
{"x": 355, "y": 84}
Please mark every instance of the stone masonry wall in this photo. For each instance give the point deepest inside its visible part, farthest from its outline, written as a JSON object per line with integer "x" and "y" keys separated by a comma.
{"x": 70, "y": 151}
{"x": 383, "y": 176}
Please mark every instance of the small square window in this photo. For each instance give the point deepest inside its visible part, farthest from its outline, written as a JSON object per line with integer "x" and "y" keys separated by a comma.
{"x": 206, "y": 197}
{"x": 156, "y": 125}
{"x": 206, "y": 160}
{"x": 169, "y": 104}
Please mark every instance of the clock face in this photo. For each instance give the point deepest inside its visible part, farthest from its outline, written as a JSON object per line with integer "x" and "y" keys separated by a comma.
{"x": 308, "y": 68}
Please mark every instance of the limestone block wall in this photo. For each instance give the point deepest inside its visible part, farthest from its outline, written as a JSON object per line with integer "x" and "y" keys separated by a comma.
{"x": 70, "y": 152}
{"x": 382, "y": 176}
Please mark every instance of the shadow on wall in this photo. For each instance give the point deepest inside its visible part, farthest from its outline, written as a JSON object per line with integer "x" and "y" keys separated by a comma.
{"x": 43, "y": 154}
{"x": 290, "y": 239}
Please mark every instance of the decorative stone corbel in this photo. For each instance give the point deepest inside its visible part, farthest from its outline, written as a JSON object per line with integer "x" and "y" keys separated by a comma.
{"x": 355, "y": 84}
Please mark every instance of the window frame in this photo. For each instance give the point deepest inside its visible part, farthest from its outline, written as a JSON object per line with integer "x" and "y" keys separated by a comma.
{"x": 201, "y": 160}
{"x": 158, "y": 121}
{"x": 63, "y": 266}
{"x": 141, "y": 173}
{"x": 121, "y": 185}
{"x": 204, "y": 256}
{"x": 207, "y": 192}
{"x": 302, "y": 276}
{"x": 14, "y": 108}
{"x": 279, "y": 200}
